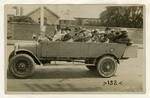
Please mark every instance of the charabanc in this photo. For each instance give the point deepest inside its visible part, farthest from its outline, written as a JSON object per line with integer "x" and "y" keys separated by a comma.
{"x": 100, "y": 57}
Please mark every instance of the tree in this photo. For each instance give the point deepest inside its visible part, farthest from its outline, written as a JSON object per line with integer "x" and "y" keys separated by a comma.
{"x": 122, "y": 16}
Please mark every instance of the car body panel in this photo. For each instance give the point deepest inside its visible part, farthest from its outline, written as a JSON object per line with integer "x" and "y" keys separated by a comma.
{"x": 130, "y": 52}
{"x": 73, "y": 50}
{"x": 79, "y": 49}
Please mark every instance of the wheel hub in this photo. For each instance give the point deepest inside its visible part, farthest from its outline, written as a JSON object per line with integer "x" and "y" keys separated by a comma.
{"x": 107, "y": 66}
{"x": 21, "y": 66}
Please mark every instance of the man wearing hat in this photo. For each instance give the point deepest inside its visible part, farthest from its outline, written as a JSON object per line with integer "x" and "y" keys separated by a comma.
{"x": 111, "y": 35}
{"x": 123, "y": 37}
{"x": 66, "y": 35}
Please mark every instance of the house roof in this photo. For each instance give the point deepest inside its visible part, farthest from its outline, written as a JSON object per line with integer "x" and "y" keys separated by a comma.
{"x": 45, "y": 9}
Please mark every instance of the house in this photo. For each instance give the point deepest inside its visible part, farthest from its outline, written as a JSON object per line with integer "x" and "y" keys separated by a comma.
{"x": 67, "y": 22}
{"x": 23, "y": 27}
{"x": 87, "y": 21}
{"x": 49, "y": 16}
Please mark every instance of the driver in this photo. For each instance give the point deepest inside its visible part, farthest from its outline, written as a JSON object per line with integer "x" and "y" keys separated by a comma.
{"x": 57, "y": 36}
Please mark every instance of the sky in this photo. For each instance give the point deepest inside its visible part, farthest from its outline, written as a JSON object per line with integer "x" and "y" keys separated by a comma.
{"x": 63, "y": 11}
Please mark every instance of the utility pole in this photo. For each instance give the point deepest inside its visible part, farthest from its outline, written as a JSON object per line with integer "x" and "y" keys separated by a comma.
{"x": 42, "y": 26}
{"x": 41, "y": 16}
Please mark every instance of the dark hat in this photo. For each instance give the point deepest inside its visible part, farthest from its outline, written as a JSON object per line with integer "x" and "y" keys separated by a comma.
{"x": 67, "y": 28}
{"x": 107, "y": 28}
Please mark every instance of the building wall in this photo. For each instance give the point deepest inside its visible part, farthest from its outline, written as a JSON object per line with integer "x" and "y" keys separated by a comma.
{"x": 51, "y": 19}
{"x": 35, "y": 16}
{"x": 88, "y": 21}
{"x": 67, "y": 22}
{"x": 22, "y": 31}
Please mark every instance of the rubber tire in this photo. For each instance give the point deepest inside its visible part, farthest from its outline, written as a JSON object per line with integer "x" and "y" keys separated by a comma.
{"x": 91, "y": 68}
{"x": 25, "y": 58}
{"x": 100, "y": 64}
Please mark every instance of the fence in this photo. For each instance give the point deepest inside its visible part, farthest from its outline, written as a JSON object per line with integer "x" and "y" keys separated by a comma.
{"x": 22, "y": 31}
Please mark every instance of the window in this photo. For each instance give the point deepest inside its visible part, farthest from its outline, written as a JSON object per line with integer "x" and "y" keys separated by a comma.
{"x": 45, "y": 20}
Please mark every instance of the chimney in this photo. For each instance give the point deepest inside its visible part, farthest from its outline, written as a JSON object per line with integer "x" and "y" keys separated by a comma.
{"x": 20, "y": 11}
{"x": 17, "y": 10}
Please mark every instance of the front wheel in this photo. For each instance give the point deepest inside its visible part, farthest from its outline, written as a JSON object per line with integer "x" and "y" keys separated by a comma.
{"x": 21, "y": 66}
{"x": 107, "y": 66}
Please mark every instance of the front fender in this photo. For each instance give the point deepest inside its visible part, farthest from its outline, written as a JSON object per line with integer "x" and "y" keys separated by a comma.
{"x": 24, "y": 51}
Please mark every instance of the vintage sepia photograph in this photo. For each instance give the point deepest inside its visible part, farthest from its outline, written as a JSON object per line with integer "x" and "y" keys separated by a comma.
{"x": 74, "y": 48}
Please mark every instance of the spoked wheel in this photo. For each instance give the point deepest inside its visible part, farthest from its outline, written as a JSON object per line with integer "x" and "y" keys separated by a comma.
{"x": 107, "y": 66}
{"x": 91, "y": 68}
{"x": 21, "y": 66}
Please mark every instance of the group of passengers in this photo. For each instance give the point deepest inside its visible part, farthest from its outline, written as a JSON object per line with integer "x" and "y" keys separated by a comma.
{"x": 84, "y": 35}
{"x": 78, "y": 34}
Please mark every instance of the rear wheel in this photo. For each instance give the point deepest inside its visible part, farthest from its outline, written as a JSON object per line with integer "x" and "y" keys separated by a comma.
{"x": 21, "y": 66}
{"x": 107, "y": 66}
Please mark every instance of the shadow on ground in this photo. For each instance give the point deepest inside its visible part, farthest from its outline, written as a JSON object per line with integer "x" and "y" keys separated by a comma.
{"x": 54, "y": 73}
